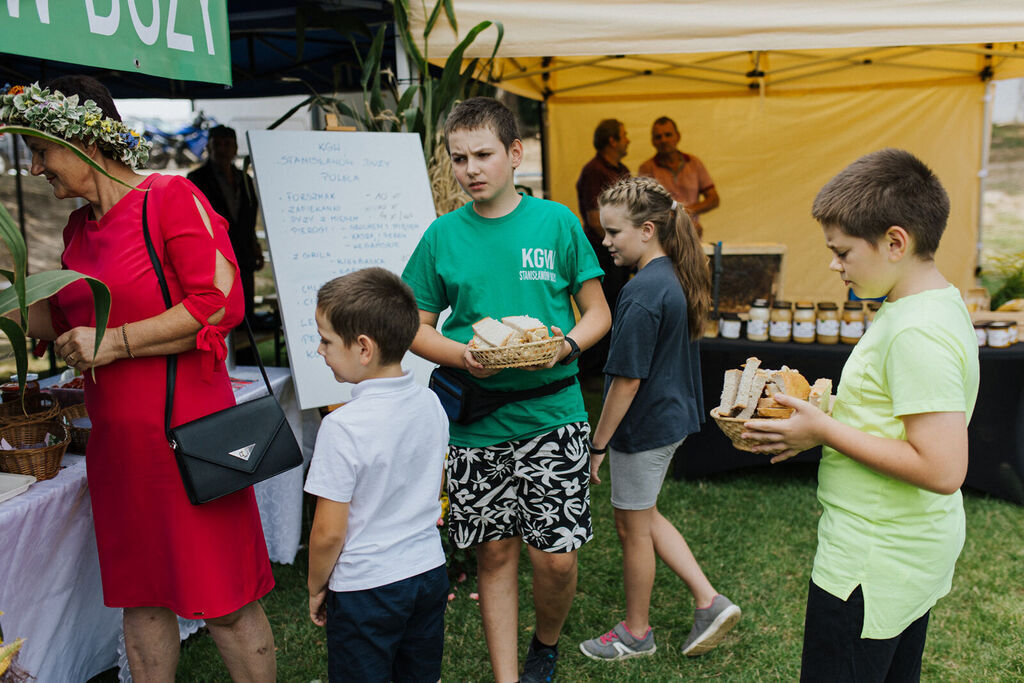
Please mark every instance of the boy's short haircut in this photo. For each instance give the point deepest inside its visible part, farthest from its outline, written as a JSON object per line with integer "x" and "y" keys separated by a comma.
{"x": 885, "y": 188}
{"x": 374, "y": 302}
{"x": 605, "y": 131}
{"x": 483, "y": 112}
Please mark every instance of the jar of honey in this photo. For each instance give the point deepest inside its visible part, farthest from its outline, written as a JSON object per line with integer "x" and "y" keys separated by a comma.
{"x": 851, "y": 327}
{"x": 980, "y": 330}
{"x": 711, "y": 326}
{"x": 999, "y": 334}
{"x": 804, "y": 321}
{"x": 827, "y": 323}
{"x": 869, "y": 317}
{"x": 757, "y": 324}
{"x": 729, "y": 326}
{"x": 780, "y": 328}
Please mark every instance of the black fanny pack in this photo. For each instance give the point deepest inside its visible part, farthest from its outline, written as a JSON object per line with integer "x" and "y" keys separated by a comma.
{"x": 465, "y": 401}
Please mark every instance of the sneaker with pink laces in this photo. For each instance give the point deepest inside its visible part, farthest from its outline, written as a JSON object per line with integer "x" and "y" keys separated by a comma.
{"x": 619, "y": 643}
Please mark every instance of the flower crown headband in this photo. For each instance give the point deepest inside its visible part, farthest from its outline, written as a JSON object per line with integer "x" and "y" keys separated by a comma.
{"x": 64, "y": 117}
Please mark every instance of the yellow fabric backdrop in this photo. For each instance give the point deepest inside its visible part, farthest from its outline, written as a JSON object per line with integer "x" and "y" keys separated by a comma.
{"x": 770, "y": 155}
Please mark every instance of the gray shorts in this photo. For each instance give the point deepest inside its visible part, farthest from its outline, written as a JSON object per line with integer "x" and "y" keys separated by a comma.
{"x": 637, "y": 477}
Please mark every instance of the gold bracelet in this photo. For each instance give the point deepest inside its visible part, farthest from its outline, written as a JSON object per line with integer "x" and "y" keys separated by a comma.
{"x": 124, "y": 335}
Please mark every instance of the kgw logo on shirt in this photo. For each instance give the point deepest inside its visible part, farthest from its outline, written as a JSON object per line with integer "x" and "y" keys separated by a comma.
{"x": 538, "y": 264}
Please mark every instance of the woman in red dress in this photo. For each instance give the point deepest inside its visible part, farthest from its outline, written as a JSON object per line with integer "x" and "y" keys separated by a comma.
{"x": 159, "y": 555}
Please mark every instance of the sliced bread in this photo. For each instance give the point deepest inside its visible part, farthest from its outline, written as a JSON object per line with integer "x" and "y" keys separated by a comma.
{"x": 743, "y": 396}
{"x": 494, "y": 333}
{"x": 530, "y": 328}
{"x": 730, "y": 385}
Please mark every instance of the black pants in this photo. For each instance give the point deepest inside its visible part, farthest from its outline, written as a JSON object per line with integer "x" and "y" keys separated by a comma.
{"x": 835, "y": 652}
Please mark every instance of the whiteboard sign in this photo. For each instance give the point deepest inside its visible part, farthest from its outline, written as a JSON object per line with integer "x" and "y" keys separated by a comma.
{"x": 335, "y": 202}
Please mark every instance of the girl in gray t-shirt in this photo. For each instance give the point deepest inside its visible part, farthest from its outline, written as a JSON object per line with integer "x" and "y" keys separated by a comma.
{"x": 652, "y": 402}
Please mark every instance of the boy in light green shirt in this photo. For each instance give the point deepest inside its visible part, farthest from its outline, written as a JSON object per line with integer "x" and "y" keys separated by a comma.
{"x": 895, "y": 447}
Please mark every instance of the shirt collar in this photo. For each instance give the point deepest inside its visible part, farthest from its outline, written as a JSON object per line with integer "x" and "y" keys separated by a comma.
{"x": 383, "y": 385}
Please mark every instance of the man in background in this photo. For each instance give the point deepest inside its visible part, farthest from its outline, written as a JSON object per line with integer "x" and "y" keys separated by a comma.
{"x": 232, "y": 195}
{"x": 611, "y": 144}
{"x": 682, "y": 174}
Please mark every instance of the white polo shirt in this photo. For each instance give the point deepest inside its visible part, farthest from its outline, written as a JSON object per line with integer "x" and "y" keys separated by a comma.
{"x": 383, "y": 453}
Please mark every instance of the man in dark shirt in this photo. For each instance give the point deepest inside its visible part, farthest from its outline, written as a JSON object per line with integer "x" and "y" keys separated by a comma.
{"x": 232, "y": 195}
{"x": 611, "y": 143}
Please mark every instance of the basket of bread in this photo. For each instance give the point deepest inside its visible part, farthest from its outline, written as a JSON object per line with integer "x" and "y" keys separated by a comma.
{"x": 749, "y": 394}
{"x": 515, "y": 341}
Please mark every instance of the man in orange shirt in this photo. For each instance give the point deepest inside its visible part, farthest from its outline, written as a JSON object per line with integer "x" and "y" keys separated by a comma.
{"x": 683, "y": 175}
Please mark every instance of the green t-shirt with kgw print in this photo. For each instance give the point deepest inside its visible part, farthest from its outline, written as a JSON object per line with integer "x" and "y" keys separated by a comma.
{"x": 529, "y": 262}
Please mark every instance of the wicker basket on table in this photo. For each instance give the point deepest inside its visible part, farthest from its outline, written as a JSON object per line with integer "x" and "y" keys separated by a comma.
{"x": 732, "y": 427}
{"x": 79, "y": 435}
{"x": 25, "y": 458}
{"x": 518, "y": 355}
{"x": 40, "y": 405}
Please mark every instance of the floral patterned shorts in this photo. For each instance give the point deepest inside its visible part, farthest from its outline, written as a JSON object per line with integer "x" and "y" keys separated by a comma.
{"x": 537, "y": 488}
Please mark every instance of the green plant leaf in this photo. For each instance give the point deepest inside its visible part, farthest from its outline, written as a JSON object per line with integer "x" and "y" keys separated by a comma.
{"x": 449, "y": 9}
{"x": 19, "y": 255}
{"x": 39, "y": 286}
{"x": 33, "y": 132}
{"x": 433, "y": 18}
{"x": 16, "y": 336}
{"x": 402, "y": 28}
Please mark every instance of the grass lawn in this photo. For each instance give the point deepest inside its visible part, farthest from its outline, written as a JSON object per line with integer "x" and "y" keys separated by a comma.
{"x": 754, "y": 533}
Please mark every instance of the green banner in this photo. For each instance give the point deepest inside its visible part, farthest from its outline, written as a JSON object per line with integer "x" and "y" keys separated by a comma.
{"x": 179, "y": 39}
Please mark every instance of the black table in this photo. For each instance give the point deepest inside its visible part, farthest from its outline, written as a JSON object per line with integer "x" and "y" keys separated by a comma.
{"x": 996, "y": 431}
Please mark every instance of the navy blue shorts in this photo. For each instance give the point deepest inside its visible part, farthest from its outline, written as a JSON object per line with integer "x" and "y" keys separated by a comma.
{"x": 389, "y": 633}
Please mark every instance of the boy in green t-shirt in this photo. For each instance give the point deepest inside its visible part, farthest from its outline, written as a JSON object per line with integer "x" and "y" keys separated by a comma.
{"x": 520, "y": 474}
{"x": 895, "y": 448}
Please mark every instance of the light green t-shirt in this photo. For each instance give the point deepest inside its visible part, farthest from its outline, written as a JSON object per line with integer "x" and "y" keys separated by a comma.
{"x": 897, "y": 541}
{"x": 529, "y": 262}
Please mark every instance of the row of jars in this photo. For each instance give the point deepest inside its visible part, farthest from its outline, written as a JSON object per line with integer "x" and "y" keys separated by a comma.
{"x": 805, "y": 323}
{"x": 999, "y": 334}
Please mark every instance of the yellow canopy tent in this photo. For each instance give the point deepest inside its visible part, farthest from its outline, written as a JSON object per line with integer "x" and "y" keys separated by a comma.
{"x": 775, "y": 97}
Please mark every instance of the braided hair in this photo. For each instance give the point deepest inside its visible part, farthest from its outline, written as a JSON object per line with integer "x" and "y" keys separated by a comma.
{"x": 644, "y": 199}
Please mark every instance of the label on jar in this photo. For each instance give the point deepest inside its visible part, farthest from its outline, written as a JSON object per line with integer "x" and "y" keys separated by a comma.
{"x": 730, "y": 329}
{"x": 780, "y": 328}
{"x": 853, "y": 330}
{"x": 757, "y": 328}
{"x": 828, "y": 328}
{"x": 982, "y": 335}
{"x": 803, "y": 330}
{"x": 999, "y": 338}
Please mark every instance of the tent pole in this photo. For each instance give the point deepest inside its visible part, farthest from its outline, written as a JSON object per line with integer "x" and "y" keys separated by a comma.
{"x": 546, "y": 175}
{"x": 986, "y": 144}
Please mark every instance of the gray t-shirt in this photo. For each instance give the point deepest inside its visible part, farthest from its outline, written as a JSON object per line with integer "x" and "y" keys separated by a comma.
{"x": 651, "y": 341}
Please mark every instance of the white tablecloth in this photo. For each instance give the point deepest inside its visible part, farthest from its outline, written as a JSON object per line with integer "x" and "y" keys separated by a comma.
{"x": 50, "y": 590}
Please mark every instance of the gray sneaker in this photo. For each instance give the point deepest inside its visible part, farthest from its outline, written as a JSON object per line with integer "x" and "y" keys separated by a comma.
{"x": 619, "y": 643}
{"x": 710, "y": 625}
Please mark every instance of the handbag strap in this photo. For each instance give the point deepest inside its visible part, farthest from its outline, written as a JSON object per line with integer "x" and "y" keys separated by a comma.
{"x": 172, "y": 359}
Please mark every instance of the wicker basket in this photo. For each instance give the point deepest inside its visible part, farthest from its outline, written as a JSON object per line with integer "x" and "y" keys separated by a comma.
{"x": 39, "y": 406}
{"x": 518, "y": 355}
{"x": 41, "y": 463}
{"x": 79, "y": 435}
{"x": 732, "y": 427}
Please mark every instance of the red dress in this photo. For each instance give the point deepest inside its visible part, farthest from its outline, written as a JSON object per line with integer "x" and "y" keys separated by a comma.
{"x": 155, "y": 548}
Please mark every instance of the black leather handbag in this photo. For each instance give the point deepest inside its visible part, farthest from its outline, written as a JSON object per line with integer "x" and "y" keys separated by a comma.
{"x": 230, "y": 449}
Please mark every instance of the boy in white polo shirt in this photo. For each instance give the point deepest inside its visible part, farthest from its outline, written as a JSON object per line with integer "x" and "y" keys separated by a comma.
{"x": 377, "y": 576}
{"x": 895, "y": 448}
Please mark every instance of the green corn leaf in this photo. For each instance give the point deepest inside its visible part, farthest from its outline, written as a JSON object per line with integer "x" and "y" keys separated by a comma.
{"x": 433, "y": 18}
{"x": 449, "y": 9}
{"x": 39, "y": 286}
{"x": 16, "y": 336}
{"x": 19, "y": 254}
